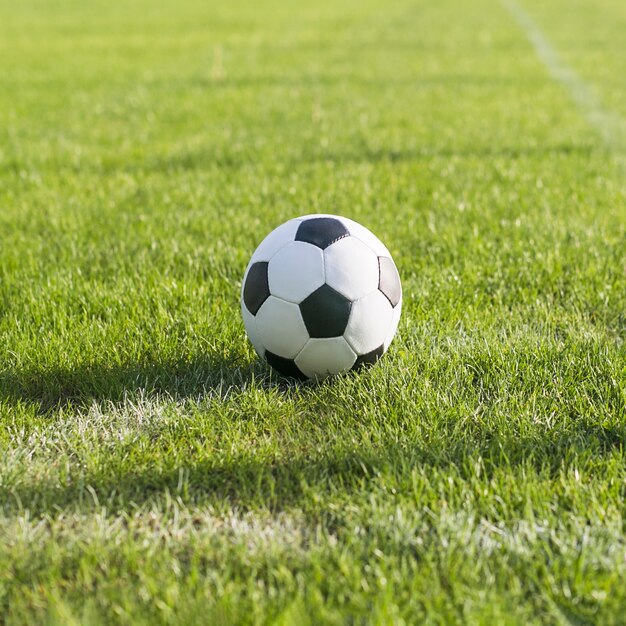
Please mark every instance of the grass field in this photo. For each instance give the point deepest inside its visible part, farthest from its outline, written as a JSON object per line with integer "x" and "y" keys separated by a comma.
{"x": 152, "y": 470}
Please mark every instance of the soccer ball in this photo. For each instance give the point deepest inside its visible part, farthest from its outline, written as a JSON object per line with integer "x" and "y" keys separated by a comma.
{"x": 321, "y": 295}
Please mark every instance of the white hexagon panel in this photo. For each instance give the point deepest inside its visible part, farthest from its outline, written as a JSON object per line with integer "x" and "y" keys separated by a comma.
{"x": 321, "y": 358}
{"x": 277, "y": 314}
{"x": 351, "y": 268}
{"x": 369, "y": 323}
{"x": 296, "y": 271}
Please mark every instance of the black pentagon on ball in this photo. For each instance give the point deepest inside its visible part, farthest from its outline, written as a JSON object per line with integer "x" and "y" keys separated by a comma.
{"x": 321, "y": 231}
{"x": 368, "y": 359}
{"x": 325, "y": 313}
{"x": 389, "y": 280}
{"x": 286, "y": 367}
{"x": 256, "y": 289}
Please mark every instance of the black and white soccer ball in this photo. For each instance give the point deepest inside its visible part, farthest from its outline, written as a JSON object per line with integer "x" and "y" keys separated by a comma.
{"x": 321, "y": 295}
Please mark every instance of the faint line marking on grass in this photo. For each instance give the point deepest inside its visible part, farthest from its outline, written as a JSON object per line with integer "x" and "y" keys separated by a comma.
{"x": 610, "y": 126}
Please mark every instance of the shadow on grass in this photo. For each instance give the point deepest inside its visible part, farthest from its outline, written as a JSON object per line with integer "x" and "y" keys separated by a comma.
{"x": 220, "y": 158}
{"x": 276, "y": 484}
{"x": 205, "y": 158}
{"x": 47, "y": 390}
{"x": 312, "y": 82}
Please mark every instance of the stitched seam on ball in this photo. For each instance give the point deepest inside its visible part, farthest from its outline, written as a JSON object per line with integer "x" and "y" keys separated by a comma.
{"x": 306, "y": 343}
{"x": 388, "y": 255}
{"x": 367, "y": 295}
{"x": 388, "y": 299}
{"x": 350, "y": 344}
{"x": 338, "y": 239}
{"x": 277, "y": 251}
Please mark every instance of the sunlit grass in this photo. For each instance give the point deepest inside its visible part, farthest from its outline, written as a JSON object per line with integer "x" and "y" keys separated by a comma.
{"x": 152, "y": 470}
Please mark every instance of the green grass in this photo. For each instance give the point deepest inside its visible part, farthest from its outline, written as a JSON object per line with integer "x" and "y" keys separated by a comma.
{"x": 152, "y": 470}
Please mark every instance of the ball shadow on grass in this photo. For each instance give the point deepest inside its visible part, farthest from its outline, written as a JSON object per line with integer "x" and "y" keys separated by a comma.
{"x": 276, "y": 484}
{"x": 52, "y": 389}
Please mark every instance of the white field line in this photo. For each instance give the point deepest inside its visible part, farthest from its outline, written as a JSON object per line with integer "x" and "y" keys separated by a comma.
{"x": 610, "y": 126}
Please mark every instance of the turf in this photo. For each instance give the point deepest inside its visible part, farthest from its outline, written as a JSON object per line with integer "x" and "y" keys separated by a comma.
{"x": 152, "y": 470}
